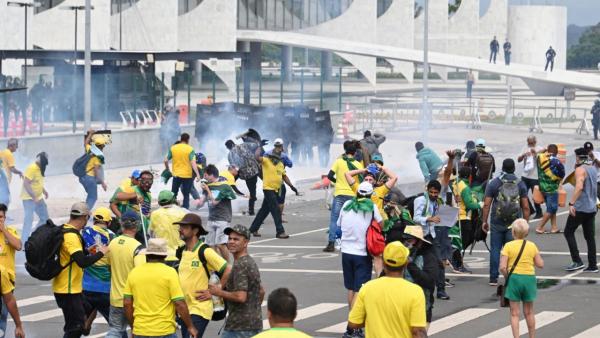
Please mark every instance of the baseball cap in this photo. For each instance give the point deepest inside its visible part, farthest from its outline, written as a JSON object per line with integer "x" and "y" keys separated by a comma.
{"x": 365, "y": 188}
{"x": 480, "y": 142}
{"x": 99, "y": 140}
{"x": 130, "y": 215}
{"x": 165, "y": 196}
{"x": 377, "y": 157}
{"x": 136, "y": 174}
{"x": 278, "y": 142}
{"x": 238, "y": 229}
{"x": 79, "y": 209}
{"x": 103, "y": 214}
{"x": 193, "y": 220}
{"x": 395, "y": 254}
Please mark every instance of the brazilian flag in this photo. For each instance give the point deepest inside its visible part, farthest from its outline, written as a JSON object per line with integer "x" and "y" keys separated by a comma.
{"x": 222, "y": 191}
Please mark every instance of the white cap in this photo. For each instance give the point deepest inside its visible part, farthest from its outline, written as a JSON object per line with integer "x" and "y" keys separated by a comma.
{"x": 365, "y": 189}
{"x": 278, "y": 142}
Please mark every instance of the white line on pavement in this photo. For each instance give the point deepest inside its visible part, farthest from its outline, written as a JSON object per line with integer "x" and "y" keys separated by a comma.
{"x": 337, "y": 328}
{"x": 313, "y": 311}
{"x": 593, "y": 332}
{"x": 541, "y": 319}
{"x": 558, "y": 214}
{"x": 42, "y": 315}
{"x": 288, "y": 246}
{"x": 547, "y": 253}
{"x": 34, "y": 300}
{"x": 292, "y": 235}
{"x": 456, "y": 319}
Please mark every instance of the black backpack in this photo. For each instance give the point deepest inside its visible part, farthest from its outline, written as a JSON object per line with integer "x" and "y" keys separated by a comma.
{"x": 80, "y": 164}
{"x": 508, "y": 201}
{"x": 485, "y": 164}
{"x": 217, "y": 315}
{"x": 42, "y": 251}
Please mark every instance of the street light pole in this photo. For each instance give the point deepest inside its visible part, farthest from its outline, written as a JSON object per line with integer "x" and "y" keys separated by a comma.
{"x": 87, "y": 68}
{"x": 425, "y": 114}
{"x": 75, "y": 9}
{"x": 26, "y": 6}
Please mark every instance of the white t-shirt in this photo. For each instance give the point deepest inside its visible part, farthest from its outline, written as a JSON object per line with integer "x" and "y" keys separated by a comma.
{"x": 354, "y": 230}
{"x": 532, "y": 174}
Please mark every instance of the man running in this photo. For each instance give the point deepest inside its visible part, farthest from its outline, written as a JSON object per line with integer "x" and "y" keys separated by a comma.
{"x": 184, "y": 165}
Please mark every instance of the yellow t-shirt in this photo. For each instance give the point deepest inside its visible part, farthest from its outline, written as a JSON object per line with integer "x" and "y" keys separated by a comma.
{"x": 161, "y": 224}
{"x": 34, "y": 174}
{"x": 181, "y": 154}
{"x": 228, "y": 177}
{"x": 272, "y": 174}
{"x": 70, "y": 279}
{"x": 7, "y": 253}
{"x": 389, "y": 307}
{"x": 126, "y": 185}
{"x": 122, "y": 258}
{"x": 340, "y": 168}
{"x": 6, "y": 286}
{"x": 92, "y": 163}
{"x": 377, "y": 198}
{"x": 526, "y": 265}
{"x": 8, "y": 161}
{"x": 193, "y": 278}
{"x": 282, "y": 332}
{"x": 154, "y": 288}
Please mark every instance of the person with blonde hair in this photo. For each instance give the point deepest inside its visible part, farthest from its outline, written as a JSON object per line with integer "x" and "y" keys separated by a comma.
{"x": 522, "y": 257}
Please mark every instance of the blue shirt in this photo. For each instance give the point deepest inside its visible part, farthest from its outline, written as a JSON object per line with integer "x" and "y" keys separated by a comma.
{"x": 96, "y": 278}
{"x": 421, "y": 215}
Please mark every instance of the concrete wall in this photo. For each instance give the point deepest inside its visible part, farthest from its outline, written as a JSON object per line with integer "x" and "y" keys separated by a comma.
{"x": 211, "y": 26}
{"x": 461, "y": 25}
{"x": 129, "y": 147}
{"x": 494, "y": 22}
{"x": 396, "y": 27}
{"x": 438, "y": 31}
{"x": 12, "y": 33}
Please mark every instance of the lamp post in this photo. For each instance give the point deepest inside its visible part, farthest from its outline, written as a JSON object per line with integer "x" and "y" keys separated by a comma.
{"x": 26, "y": 6}
{"x": 425, "y": 114}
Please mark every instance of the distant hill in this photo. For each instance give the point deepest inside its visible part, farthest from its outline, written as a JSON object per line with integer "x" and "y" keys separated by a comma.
{"x": 574, "y": 32}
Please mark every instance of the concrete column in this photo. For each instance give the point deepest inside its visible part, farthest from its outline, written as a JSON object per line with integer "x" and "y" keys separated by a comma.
{"x": 326, "y": 60}
{"x": 197, "y": 71}
{"x": 255, "y": 55}
{"x": 286, "y": 63}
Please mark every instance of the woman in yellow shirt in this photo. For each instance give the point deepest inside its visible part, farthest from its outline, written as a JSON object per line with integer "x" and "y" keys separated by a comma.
{"x": 521, "y": 286}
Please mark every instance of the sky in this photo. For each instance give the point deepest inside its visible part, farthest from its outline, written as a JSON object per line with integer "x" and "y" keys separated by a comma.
{"x": 580, "y": 12}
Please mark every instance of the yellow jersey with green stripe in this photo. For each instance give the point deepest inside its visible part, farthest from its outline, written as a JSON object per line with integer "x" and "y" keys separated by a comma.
{"x": 70, "y": 279}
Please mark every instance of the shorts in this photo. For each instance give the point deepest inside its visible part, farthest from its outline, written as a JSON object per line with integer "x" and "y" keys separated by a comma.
{"x": 215, "y": 234}
{"x": 521, "y": 288}
{"x": 357, "y": 271}
{"x": 281, "y": 195}
{"x": 551, "y": 200}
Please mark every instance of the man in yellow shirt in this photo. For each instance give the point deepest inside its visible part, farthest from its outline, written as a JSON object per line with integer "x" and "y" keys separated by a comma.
{"x": 8, "y": 163}
{"x": 152, "y": 294}
{"x": 163, "y": 220}
{"x": 7, "y": 288}
{"x": 273, "y": 172}
{"x": 282, "y": 309}
{"x": 68, "y": 284}
{"x": 33, "y": 194}
{"x": 9, "y": 243}
{"x": 197, "y": 262}
{"x": 125, "y": 193}
{"x": 390, "y": 306}
{"x": 343, "y": 191}
{"x": 184, "y": 165}
{"x": 123, "y": 256}
{"x": 94, "y": 143}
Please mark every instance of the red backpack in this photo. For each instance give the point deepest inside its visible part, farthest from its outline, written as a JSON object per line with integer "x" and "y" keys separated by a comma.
{"x": 375, "y": 238}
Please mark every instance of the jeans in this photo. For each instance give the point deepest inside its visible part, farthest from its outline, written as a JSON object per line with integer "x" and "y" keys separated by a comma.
{"x": 117, "y": 323}
{"x": 239, "y": 334}
{"x": 4, "y": 188}
{"x": 336, "y": 208}
{"x": 506, "y": 58}
{"x": 596, "y": 128}
{"x": 91, "y": 188}
{"x": 551, "y": 63}
{"x": 29, "y": 207}
{"x": 469, "y": 89}
{"x": 498, "y": 238}
{"x": 186, "y": 186}
{"x": 530, "y": 183}
{"x": 440, "y": 280}
{"x": 493, "y": 54}
{"x": 3, "y": 320}
{"x": 74, "y": 312}
{"x": 99, "y": 301}
{"x": 251, "y": 184}
{"x": 269, "y": 205}
{"x": 587, "y": 222}
{"x": 200, "y": 323}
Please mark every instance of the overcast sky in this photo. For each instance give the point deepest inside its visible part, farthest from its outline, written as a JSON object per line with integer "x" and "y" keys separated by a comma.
{"x": 580, "y": 12}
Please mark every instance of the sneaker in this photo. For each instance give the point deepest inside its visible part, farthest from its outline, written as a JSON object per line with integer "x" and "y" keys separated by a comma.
{"x": 591, "y": 269}
{"x": 448, "y": 283}
{"x": 441, "y": 294}
{"x": 493, "y": 282}
{"x": 463, "y": 269}
{"x": 330, "y": 247}
{"x": 256, "y": 234}
{"x": 282, "y": 235}
{"x": 574, "y": 266}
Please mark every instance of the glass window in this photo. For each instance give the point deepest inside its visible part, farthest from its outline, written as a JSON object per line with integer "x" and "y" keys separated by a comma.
{"x": 46, "y": 4}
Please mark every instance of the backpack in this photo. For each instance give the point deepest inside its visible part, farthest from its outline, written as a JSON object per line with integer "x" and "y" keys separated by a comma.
{"x": 375, "y": 238}
{"x": 42, "y": 251}
{"x": 484, "y": 163}
{"x": 247, "y": 164}
{"x": 80, "y": 164}
{"x": 217, "y": 315}
{"x": 508, "y": 201}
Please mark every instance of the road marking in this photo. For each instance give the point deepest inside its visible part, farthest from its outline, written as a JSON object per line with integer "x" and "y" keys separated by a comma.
{"x": 337, "y": 328}
{"x": 541, "y": 319}
{"x": 456, "y": 319}
{"x": 42, "y": 315}
{"x": 289, "y": 246}
{"x": 593, "y": 332}
{"x": 103, "y": 334}
{"x": 545, "y": 253}
{"x": 292, "y": 235}
{"x": 558, "y": 214}
{"x": 313, "y": 311}
{"x": 34, "y": 300}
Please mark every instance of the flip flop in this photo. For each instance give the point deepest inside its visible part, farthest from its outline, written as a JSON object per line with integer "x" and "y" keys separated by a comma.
{"x": 540, "y": 232}
{"x": 556, "y": 232}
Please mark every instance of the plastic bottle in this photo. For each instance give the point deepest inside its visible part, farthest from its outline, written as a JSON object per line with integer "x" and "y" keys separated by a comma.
{"x": 218, "y": 304}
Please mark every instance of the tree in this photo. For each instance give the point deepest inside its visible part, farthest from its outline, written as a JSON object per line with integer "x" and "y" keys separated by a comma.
{"x": 586, "y": 53}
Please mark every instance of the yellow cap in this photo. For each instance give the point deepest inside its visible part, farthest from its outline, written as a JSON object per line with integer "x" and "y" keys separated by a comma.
{"x": 103, "y": 214}
{"x": 99, "y": 140}
{"x": 395, "y": 254}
